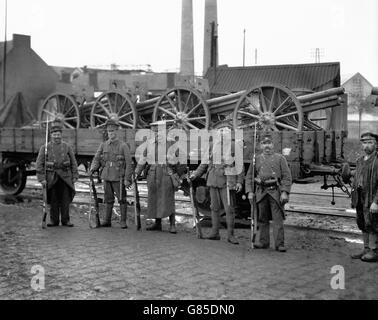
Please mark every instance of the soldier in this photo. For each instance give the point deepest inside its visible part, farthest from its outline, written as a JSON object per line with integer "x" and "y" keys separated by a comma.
{"x": 162, "y": 181}
{"x": 365, "y": 197}
{"x": 115, "y": 159}
{"x": 222, "y": 193}
{"x": 273, "y": 183}
{"x": 61, "y": 175}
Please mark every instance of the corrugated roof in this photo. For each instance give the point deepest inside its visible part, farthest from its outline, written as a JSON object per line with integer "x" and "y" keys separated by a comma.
{"x": 315, "y": 76}
{"x": 9, "y": 48}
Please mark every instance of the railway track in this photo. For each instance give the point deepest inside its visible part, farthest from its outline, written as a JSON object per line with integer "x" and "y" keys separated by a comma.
{"x": 33, "y": 192}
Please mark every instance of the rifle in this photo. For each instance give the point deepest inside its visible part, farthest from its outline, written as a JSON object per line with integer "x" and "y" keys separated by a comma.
{"x": 136, "y": 204}
{"x": 44, "y": 187}
{"x": 93, "y": 190}
{"x": 196, "y": 215}
{"x": 253, "y": 200}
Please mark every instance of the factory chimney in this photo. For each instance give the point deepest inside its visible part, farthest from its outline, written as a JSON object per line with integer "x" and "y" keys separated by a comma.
{"x": 187, "y": 43}
{"x": 210, "y": 46}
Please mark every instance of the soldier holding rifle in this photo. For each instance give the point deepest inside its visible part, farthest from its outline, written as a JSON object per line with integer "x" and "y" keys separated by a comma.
{"x": 365, "y": 197}
{"x": 57, "y": 172}
{"x": 222, "y": 193}
{"x": 114, "y": 157}
{"x": 273, "y": 184}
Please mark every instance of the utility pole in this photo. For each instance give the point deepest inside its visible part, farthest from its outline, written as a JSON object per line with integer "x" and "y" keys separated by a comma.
{"x": 244, "y": 48}
{"x": 255, "y": 56}
{"x": 5, "y": 52}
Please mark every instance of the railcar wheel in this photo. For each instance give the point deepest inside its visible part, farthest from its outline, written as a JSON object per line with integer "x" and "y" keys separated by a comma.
{"x": 60, "y": 106}
{"x": 182, "y": 108}
{"x": 271, "y": 107}
{"x": 114, "y": 105}
{"x": 13, "y": 177}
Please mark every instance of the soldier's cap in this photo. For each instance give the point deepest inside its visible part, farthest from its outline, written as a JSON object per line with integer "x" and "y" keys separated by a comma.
{"x": 369, "y": 136}
{"x": 56, "y": 126}
{"x": 112, "y": 123}
{"x": 266, "y": 138}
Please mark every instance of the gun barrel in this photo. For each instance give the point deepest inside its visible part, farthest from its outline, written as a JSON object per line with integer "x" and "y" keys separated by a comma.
{"x": 321, "y": 95}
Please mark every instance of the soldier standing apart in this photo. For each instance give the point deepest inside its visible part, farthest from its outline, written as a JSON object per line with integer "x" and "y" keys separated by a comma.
{"x": 162, "y": 182}
{"x": 115, "y": 159}
{"x": 365, "y": 197}
{"x": 61, "y": 175}
{"x": 273, "y": 183}
{"x": 220, "y": 195}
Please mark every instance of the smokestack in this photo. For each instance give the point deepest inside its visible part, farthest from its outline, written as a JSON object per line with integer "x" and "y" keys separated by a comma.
{"x": 211, "y": 16}
{"x": 187, "y": 50}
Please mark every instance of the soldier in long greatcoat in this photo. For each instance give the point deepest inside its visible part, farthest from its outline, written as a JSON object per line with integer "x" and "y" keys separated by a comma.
{"x": 365, "y": 197}
{"x": 114, "y": 157}
{"x": 273, "y": 183}
{"x": 61, "y": 174}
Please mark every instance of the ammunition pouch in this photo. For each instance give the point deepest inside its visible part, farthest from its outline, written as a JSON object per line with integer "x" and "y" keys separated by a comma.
{"x": 120, "y": 159}
{"x": 52, "y": 166}
{"x": 270, "y": 184}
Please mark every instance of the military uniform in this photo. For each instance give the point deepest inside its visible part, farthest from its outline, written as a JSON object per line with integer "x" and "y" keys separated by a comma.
{"x": 364, "y": 193}
{"x": 273, "y": 177}
{"x": 162, "y": 182}
{"x": 217, "y": 181}
{"x": 61, "y": 174}
{"x": 114, "y": 157}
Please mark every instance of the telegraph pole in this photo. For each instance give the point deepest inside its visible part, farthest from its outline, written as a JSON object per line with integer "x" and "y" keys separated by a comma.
{"x": 5, "y": 52}
{"x": 256, "y": 56}
{"x": 244, "y": 48}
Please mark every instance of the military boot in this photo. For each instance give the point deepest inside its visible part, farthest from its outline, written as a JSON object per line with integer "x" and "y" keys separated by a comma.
{"x": 215, "y": 222}
{"x": 123, "y": 208}
{"x": 365, "y": 239}
{"x": 360, "y": 254}
{"x": 172, "y": 223}
{"x": 371, "y": 256}
{"x": 156, "y": 226}
{"x": 108, "y": 215}
{"x": 230, "y": 229}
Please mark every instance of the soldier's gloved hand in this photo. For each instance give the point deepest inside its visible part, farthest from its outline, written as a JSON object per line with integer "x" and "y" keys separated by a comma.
{"x": 192, "y": 177}
{"x": 284, "y": 198}
{"x": 374, "y": 208}
{"x": 238, "y": 187}
{"x": 250, "y": 195}
{"x": 44, "y": 183}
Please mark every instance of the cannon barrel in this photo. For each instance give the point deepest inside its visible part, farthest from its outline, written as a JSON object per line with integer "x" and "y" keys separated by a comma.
{"x": 321, "y": 95}
{"x": 223, "y": 99}
{"x": 374, "y": 91}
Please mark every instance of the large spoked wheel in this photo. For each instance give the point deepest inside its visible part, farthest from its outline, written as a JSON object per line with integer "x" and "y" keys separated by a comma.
{"x": 60, "y": 106}
{"x": 182, "y": 108}
{"x": 270, "y": 107}
{"x": 13, "y": 177}
{"x": 114, "y": 105}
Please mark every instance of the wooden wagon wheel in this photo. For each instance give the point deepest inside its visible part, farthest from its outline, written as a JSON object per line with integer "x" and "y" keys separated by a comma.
{"x": 182, "y": 108}
{"x": 114, "y": 105}
{"x": 60, "y": 106}
{"x": 271, "y": 107}
{"x": 13, "y": 177}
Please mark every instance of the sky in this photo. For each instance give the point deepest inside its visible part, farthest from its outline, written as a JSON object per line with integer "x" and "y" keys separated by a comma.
{"x": 97, "y": 33}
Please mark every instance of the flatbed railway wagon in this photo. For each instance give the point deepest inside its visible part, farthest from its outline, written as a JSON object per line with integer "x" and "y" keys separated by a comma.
{"x": 309, "y": 149}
